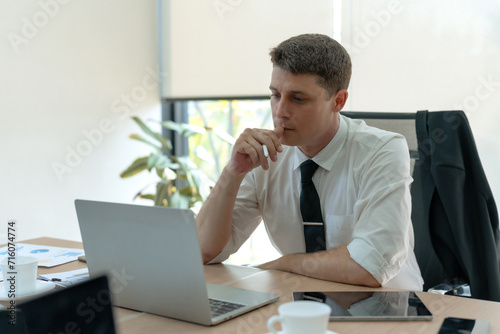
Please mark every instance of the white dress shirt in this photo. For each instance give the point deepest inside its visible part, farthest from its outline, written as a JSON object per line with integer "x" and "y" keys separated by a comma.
{"x": 363, "y": 183}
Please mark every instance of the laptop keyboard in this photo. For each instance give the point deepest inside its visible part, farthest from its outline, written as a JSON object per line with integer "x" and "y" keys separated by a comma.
{"x": 219, "y": 307}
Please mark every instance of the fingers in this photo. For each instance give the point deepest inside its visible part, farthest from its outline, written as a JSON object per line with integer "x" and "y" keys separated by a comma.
{"x": 256, "y": 151}
{"x": 260, "y": 145}
{"x": 271, "y": 144}
{"x": 278, "y": 130}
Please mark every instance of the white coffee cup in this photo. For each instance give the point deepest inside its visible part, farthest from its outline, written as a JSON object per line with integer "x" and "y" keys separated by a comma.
{"x": 301, "y": 317}
{"x": 19, "y": 275}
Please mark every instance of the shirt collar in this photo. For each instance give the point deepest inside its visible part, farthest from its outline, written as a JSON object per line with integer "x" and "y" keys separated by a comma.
{"x": 327, "y": 156}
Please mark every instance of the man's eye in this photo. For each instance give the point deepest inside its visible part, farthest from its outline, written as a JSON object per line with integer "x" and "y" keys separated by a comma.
{"x": 299, "y": 99}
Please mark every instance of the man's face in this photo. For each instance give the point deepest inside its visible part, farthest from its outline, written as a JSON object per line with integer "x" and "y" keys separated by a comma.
{"x": 303, "y": 109}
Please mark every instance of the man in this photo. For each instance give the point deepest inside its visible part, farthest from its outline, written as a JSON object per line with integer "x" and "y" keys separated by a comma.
{"x": 366, "y": 236}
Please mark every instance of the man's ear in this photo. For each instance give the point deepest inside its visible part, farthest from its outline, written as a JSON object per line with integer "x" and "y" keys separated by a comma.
{"x": 339, "y": 100}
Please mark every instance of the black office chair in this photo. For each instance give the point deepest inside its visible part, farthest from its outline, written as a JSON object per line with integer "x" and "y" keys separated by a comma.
{"x": 454, "y": 215}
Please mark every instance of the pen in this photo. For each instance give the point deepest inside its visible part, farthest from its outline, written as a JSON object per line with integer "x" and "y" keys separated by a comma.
{"x": 266, "y": 152}
{"x": 50, "y": 280}
{"x": 56, "y": 281}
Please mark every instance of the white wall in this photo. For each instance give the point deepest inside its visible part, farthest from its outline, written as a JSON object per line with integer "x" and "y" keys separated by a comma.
{"x": 72, "y": 72}
{"x": 437, "y": 55}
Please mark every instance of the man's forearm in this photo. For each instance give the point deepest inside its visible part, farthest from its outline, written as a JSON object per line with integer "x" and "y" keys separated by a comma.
{"x": 332, "y": 265}
{"x": 214, "y": 219}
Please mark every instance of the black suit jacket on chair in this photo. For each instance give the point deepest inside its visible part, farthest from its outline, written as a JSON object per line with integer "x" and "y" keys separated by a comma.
{"x": 454, "y": 214}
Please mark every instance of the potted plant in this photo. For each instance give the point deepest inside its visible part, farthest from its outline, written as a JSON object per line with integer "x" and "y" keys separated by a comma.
{"x": 181, "y": 183}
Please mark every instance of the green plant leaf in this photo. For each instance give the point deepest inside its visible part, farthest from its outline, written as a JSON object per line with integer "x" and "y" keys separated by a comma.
{"x": 152, "y": 160}
{"x": 144, "y": 127}
{"x": 187, "y": 165}
{"x": 172, "y": 164}
{"x": 158, "y": 161}
{"x": 203, "y": 154}
{"x": 181, "y": 183}
{"x": 202, "y": 183}
{"x": 186, "y": 191}
{"x": 168, "y": 174}
{"x": 136, "y": 167}
{"x": 142, "y": 139}
{"x": 185, "y": 162}
{"x": 181, "y": 175}
{"x": 165, "y": 142}
{"x": 160, "y": 172}
{"x": 163, "y": 189}
{"x": 184, "y": 129}
{"x": 180, "y": 201}
{"x": 162, "y": 162}
{"x": 146, "y": 196}
{"x": 190, "y": 129}
{"x": 193, "y": 197}
{"x": 170, "y": 125}
{"x": 224, "y": 135}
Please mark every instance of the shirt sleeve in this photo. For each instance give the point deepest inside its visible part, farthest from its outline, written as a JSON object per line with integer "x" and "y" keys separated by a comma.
{"x": 381, "y": 236}
{"x": 246, "y": 218}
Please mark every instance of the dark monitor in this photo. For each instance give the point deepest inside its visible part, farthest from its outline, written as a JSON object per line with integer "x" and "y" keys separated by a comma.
{"x": 81, "y": 308}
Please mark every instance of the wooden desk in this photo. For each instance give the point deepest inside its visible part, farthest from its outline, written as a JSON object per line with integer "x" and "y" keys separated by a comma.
{"x": 283, "y": 284}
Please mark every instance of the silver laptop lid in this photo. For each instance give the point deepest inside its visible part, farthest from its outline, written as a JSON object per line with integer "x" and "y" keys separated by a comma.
{"x": 151, "y": 255}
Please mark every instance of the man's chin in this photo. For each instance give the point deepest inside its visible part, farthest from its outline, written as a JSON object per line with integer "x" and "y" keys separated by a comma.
{"x": 287, "y": 141}
{"x": 290, "y": 138}
{"x": 284, "y": 140}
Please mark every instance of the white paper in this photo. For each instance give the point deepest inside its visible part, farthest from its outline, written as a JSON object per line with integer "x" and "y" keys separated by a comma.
{"x": 47, "y": 256}
{"x": 67, "y": 278}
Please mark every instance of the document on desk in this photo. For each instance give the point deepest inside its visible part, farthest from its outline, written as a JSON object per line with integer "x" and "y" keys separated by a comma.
{"x": 67, "y": 278}
{"x": 47, "y": 256}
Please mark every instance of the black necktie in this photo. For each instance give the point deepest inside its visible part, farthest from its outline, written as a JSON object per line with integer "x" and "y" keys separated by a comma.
{"x": 310, "y": 208}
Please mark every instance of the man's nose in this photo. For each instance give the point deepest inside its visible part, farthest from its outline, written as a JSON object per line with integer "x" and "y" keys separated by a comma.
{"x": 282, "y": 109}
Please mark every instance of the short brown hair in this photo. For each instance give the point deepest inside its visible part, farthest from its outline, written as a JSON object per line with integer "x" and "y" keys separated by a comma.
{"x": 315, "y": 54}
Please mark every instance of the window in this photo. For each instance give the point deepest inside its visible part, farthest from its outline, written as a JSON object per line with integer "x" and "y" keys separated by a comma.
{"x": 231, "y": 116}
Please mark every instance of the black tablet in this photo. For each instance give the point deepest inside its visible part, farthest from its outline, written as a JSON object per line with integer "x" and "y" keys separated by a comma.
{"x": 370, "y": 305}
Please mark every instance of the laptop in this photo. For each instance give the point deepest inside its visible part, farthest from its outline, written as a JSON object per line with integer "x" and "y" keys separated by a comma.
{"x": 370, "y": 305}
{"x": 153, "y": 260}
